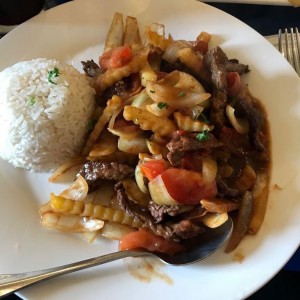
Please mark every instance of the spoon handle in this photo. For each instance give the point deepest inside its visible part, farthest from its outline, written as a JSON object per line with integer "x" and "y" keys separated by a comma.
{"x": 10, "y": 283}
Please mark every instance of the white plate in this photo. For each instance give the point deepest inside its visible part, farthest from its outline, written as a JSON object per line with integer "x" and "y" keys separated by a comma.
{"x": 76, "y": 31}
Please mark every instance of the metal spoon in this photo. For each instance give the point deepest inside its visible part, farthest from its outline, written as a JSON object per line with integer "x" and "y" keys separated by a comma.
{"x": 197, "y": 249}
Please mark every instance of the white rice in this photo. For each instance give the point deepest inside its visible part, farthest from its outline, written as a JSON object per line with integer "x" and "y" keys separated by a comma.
{"x": 43, "y": 124}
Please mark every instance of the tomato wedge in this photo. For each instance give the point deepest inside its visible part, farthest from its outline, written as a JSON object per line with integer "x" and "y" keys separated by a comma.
{"x": 116, "y": 57}
{"x": 186, "y": 186}
{"x": 147, "y": 240}
{"x": 153, "y": 168}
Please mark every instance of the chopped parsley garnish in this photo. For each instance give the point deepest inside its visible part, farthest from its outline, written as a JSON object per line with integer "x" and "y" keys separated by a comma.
{"x": 152, "y": 92}
{"x": 162, "y": 105}
{"x": 203, "y": 136}
{"x": 52, "y": 74}
{"x": 203, "y": 118}
{"x": 31, "y": 100}
{"x": 181, "y": 94}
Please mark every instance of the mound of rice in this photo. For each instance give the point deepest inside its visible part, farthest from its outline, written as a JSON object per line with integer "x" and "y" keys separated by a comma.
{"x": 45, "y": 109}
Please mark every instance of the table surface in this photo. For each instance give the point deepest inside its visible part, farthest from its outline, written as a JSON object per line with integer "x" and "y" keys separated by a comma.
{"x": 266, "y": 19}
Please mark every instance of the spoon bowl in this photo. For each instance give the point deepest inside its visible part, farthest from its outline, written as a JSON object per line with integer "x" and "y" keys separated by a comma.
{"x": 197, "y": 249}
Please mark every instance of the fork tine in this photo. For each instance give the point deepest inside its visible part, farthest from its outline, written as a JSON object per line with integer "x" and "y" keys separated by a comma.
{"x": 280, "y": 44}
{"x": 297, "y": 50}
{"x": 289, "y": 46}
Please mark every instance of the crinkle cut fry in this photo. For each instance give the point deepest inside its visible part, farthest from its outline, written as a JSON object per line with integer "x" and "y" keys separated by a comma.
{"x": 115, "y": 35}
{"x": 94, "y": 211}
{"x": 149, "y": 121}
{"x": 111, "y": 76}
{"x": 113, "y": 104}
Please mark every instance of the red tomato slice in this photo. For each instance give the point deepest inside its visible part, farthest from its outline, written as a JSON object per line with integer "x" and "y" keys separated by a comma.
{"x": 153, "y": 168}
{"x": 147, "y": 240}
{"x": 115, "y": 58}
{"x": 187, "y": 187}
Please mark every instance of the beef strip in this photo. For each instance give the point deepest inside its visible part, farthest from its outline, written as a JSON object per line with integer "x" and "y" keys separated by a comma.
{"x": 160, "y": 212}
{"x": 123, "y": 88}
{"x": 186, "y": 229}
{"x": 215, "y": 59}
{"x": 131, "y": 208}
{"x": 180, "y": 144}
{"x": 217, "y": 111}
{"x": 175, "y": 231}
{"x": 95, "y": 171}
{"x": 90, "y": 68}
{"x": 245, "y": 105}
{"x": 233, "y": 65}
{"x": 224, "y": 191}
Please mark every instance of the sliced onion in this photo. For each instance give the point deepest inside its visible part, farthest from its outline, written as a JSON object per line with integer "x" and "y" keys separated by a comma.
{"x": 209, "y": 169}
{"x": 186, "y": 92}
{"x": 133, "y": 146}
{"x": 141, "y": 100}
{"x": 171, "y": 53}
{"x": 77, "y": 190}
{"x": 127, "y": 132}
{"x": 160, "y": 112}
{"x": 159, "y": 193}
{"x": 241, "y": 125}
{"x": 214, "y": 220}
{"x": 139, "y": 178}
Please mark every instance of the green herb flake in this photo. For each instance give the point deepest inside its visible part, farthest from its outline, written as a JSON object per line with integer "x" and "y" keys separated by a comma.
{"x": 31, "y": 101}
{"x": 203, "y": 118}
{"x": 52, "y": 74}
{"x": 181, "y": 94}
{"x": 162, "y": 105}
{"x": 203, "y": 136}
{"x": 151, "y": 91}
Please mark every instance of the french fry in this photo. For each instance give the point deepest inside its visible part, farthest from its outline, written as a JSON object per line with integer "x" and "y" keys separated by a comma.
{"x": 260, "y": 193}
{"x": 83, "y": 209}
{"x": 156, "y": 38}
{"x": 132, "y": 34}
{"x": 188, "y": 124}
{"x": 70, "y": 223}
{"x": 118, "y": 156}
{"x": 115, "y": 231}
{"x": 111, "y": 76}
{"x": 148, "y": 121}
{"x": 155, "y": 148}
{"x": 115, "y": 36}
{"x": 106, "y": 144}
{"x": 188, "y": 57}
{"x": 114, "y": 103}
{"x": 66, "y": 167}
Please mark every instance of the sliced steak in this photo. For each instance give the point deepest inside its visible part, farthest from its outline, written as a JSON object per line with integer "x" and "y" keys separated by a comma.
{"x": 180, "y": 144}
{"x": 218, "y": 108}
{"x": 160, "y": 212}
{"x": 95, "y": 171}
{"x": 216, "y": 60}
{"x": 90, "y": 68}
{"x": 131, "y": 208}
{"x": 186, "y": 229}
{"x": 233, "y": 65}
